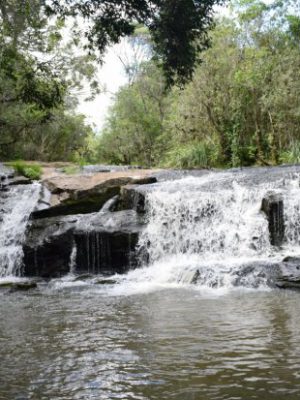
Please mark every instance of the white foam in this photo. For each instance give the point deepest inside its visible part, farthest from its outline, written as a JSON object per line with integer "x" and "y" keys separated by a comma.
{"x": 20, "y": 202}
{"x": 211, "y": 226}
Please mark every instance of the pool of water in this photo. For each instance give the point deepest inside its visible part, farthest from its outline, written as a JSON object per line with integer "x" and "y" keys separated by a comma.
{"x": 84, "y": 342}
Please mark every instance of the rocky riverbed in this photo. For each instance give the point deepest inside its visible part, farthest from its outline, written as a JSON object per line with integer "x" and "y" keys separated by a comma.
{"x": 102, "y": 220}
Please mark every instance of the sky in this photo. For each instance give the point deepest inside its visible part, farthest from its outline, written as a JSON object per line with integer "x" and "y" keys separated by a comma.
{"x": 112, "y": 75}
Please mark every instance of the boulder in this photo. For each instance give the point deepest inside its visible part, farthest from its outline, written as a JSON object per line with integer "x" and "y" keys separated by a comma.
{"x": 69, "y": 198}
{"x": 290, "y": 273}
{"x": 48, "y": 247}
{"x": 14, "y": 286}
{"x": 272, "y": 206}
{"x": 105, "y": 253}
{"x": 19, "y": 180}
{"x": 105, "y": 243}
{"x": 131, "y": 199}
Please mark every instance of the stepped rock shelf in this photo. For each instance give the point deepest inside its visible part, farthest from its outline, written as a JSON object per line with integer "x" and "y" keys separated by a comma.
{"x": 80, "y": 219}
{"x": 110, "y": 220}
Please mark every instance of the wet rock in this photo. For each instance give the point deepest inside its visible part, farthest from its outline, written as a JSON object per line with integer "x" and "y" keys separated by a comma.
{"x": 292, "y": 260}
{"x": 132, "y": 199}
{"x": 87, "y": 202}
{"x": 83, "y": 277}
{"x": 18, "y": 286}
{"x": 19, "y": 180}
{"x": 72, "y": 199}
{"x": 48, "y": 247}
{"x": 195, "y": 278}
{"x": 5, "y": 175}
{"x": 272, "y": 206}
{"x": 104, "y": 281}
{"x": 6, "y": 172}
{"x": 288, "y": 283}
{"x": 105, "y": 244}
{"x": 290, "y": 273}
{"x": 105, "y": 252}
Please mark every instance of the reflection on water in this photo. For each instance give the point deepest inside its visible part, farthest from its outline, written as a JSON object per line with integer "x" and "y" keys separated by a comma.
{"x": 170, "y": 344}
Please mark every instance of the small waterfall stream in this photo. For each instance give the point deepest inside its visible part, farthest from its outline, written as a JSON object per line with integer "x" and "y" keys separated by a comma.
{"x": 16, "y": 205}
{"x": 211, "y": 231}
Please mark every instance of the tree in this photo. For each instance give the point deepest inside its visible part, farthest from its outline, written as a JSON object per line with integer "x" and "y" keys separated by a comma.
{"x": 135, "y": 121}
{"x": 243, "y": 98}
{"x": 179, "y": 28}
{"x": 241, "y": 108}
{"x": 38, "y": 77}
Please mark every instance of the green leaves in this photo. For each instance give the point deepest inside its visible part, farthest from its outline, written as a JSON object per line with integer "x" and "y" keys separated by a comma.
{"x": 39, "y": 74}
{"x": 178, "y": 28}
{"x": 31, "y": 171}
{"x": 241, "y": 108}
{"x": 135, "y": 121}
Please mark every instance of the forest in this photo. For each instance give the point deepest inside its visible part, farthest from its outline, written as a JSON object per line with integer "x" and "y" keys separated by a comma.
{"x": 234, "y": 101}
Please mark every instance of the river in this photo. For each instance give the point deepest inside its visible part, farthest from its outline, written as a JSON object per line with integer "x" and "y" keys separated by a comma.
{"x": 72, "y": 342}
{"x": 200, "y": 319}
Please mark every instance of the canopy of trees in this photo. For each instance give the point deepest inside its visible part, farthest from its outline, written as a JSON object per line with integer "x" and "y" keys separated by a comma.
{"x": 179, "y": 28}
{"x": 241, "y": 108}
{"x": 43, "y": 69}
{"x": 39, "y": 77}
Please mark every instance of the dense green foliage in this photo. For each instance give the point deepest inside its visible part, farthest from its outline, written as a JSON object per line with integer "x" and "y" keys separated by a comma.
{"x": 136, "y": 121}
{"x": 31, "y": 171}
{"x": 241, "y": 105}
{"x": 178, "y": 28}
{"x": 241, "y": 108}
{"x": 37, "y": 87}
{"x": 43, "y": 67}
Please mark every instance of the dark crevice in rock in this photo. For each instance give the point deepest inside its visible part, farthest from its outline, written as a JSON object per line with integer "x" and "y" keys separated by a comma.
{"x": 105, "y": 243}
{"x": 272, "y": 206}
{"x": 105, "y": 252}
{"x": 48, "y": 247}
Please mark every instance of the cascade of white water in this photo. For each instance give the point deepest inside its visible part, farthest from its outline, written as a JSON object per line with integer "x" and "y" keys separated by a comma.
{"x": 212, "y": 230}
{"x": 16, "y": 207}
{"x": 72, "y": 263}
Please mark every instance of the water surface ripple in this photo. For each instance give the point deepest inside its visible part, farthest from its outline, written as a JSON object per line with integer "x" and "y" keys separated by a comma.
{"x": 171, "y": 344}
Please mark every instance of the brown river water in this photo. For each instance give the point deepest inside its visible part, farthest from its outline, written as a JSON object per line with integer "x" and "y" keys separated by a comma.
{"x": 72, "y": 343}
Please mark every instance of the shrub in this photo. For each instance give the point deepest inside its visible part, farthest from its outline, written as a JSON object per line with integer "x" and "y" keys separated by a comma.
{"x": 31, "y": 171}
{"x": 193, "y": 155}
{"x": 71, "y": 170}
{"x": 292, "y": 155}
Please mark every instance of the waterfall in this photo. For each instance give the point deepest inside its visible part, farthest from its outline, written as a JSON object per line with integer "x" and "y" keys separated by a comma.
{"x": 211, "y": 231}
{"x": 16, "y": 205}
{"x": 72, "y": 262}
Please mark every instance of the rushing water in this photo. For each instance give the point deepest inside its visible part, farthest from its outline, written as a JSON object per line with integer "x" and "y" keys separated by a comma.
{"x": 214, "y": 227}
{"x": 152, "y": 334}
{"x": 87, "y": 343}
{"x": 16, "y": 206}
